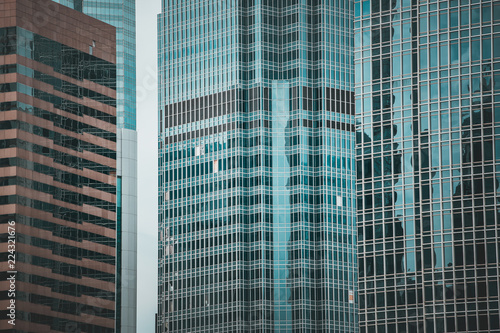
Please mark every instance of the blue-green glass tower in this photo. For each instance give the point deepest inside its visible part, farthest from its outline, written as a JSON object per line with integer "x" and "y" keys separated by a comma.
{"x": 256, "y": 167}
{"x": 121, "y": 14}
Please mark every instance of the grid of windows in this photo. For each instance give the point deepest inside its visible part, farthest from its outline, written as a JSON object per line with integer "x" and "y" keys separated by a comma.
{"x": 58, "y": 167}
{"x": 120, "y": 14}
{"x": 256, "y": 167}
{"x": 427, "y": 117}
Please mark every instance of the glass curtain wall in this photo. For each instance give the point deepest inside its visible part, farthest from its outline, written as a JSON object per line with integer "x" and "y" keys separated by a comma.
{"x": 256, "y": 167}
{"x": 427, "y": 114}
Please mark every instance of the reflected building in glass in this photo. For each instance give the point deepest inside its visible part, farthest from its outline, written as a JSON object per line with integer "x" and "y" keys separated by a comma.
{"x": 428, "y": 165}
{"x": 121, "y": 15}
{"x": 256, "y": 167}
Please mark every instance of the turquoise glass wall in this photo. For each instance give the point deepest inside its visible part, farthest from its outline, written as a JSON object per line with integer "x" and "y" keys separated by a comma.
{"x": 256, "y": 167}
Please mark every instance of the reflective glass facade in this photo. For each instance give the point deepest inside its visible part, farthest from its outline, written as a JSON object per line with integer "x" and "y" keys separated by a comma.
{"x": 121, "y": 14}
{"x": 428, "y": 170}
{"x": 256, "y": 167}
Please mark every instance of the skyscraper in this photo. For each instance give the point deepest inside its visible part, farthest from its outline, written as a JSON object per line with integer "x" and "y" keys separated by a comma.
{"x": 428, "y": 114}
{"x": 121, "y": 14}
{"x": 57, "y": 169}
{"x": 256, "y": 167}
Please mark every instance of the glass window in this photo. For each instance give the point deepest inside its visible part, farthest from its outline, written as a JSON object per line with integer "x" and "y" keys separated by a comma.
{"x": 443, "y": 55}
{"x": 406, "y": 30}
{"x": 454, "y": 53}
{"x": 496, "y": 46}
{"x": 453, "y": 19}
{"x": 486, "y": 48}
{"x": 423, "y": 24}
{"x": 476, "y": 46}
{"x": 432, "y": 22}
{"x": 367, "y": 71}
{"x": 433, "y": 55}
{"x": 476, "y": 17}
{"x": 455, "y": 87}
{"x": 407, "y": 63}
{"x": 464, "y": 51}
{"x": 396, "y": 66}
{"x": 443, "y": 21}
{"x": 423, "y": 59}
{"x": 464, "y": 16}
{"x": 444, "y": 89}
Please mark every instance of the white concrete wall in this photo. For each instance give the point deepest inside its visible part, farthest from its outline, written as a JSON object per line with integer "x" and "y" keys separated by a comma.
{"x": 127, "y": 170}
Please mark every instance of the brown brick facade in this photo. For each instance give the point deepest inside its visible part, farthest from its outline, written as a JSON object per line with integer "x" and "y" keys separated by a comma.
{"x": 57, "y": 168}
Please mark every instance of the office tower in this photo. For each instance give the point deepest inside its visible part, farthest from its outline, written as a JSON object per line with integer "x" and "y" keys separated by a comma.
{"x": 121, "y": 14}
{"x": 256, "y": 158}
{"x": 427, "y": 110}
{"x": 57, "y": 169}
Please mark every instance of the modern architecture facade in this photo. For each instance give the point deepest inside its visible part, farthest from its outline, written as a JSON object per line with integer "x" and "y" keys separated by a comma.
{"x": 256, "y": 167}
{"x": 427, "y": 118}
{"x": 121, "y": 14}
{"x": 57, "y": 169}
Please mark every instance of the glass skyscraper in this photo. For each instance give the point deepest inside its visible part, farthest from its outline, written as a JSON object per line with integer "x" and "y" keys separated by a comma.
{"x": 256, "y": 167}
{"x": 428, "y": 165}
{"x": 121, "y": 14}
